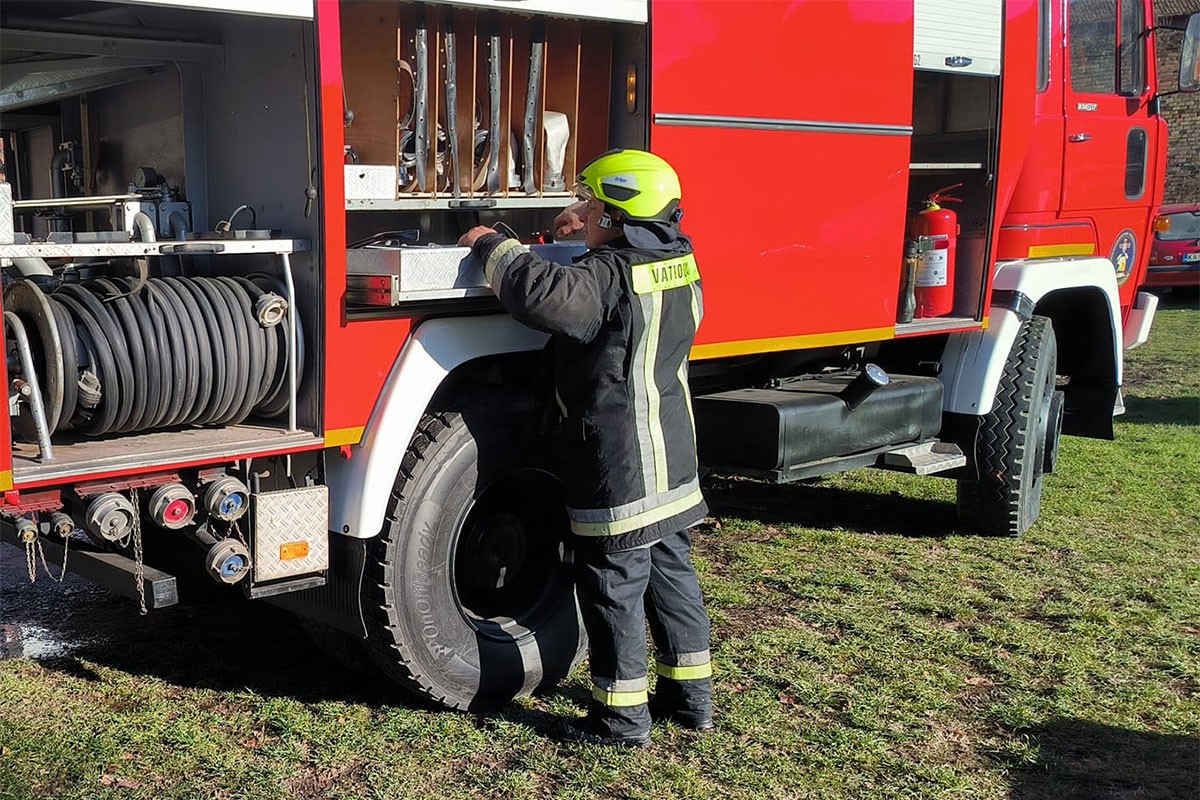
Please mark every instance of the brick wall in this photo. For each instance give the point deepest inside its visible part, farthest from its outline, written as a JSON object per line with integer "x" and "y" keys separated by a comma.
{"x": 1182, "y": 113}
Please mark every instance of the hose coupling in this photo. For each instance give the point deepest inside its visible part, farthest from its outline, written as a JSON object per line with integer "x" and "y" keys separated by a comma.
{"x": 270, "y": 309}
{"x": 110, "y": 516}
{"x": 172, "y": 506}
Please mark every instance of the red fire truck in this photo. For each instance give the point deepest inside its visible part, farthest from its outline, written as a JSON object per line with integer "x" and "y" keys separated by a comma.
{"x": 241, "y": 340}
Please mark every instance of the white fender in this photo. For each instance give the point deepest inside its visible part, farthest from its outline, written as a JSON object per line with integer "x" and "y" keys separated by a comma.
{"x": 973, "y": 362}
{"x": 359, "y": 487}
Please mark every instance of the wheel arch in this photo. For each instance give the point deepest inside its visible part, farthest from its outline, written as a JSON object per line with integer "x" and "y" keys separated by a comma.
{"x": 1088, "y": 355}
{"x": 1080, "y": 298}
{"x": 437, "y": 352}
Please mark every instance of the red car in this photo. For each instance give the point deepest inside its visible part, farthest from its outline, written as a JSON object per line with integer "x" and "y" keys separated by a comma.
{"x": 1175, "y": 256}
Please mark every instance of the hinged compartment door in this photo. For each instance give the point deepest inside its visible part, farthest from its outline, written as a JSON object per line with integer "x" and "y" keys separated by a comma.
{"x": 793, "y": 151}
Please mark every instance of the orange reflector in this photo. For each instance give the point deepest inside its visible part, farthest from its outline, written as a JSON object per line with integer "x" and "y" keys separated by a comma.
{"x": 1162, "y": 224}
{"x": 293, "y": 550}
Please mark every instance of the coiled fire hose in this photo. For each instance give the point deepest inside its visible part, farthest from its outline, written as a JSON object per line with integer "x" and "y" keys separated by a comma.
{"x": 177, "y": 351}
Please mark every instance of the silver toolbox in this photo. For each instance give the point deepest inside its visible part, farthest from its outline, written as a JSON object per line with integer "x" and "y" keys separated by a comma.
{"x": 394, "y": 275}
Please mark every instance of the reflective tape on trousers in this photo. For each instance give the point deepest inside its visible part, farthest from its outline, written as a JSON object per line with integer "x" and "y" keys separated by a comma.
{"x": 693, "y": 673}
{"x": 620, "y": 699}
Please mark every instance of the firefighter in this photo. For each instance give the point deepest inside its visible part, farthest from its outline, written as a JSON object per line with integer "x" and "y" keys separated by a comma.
{"x": 622, "y": 319}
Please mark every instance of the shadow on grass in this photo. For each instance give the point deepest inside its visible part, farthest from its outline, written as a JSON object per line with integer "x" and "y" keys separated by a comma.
{"x": 238, "y": 646}
{"x": 1081, "y": 760}
{"x": 1161, "y": 410}
{"x": 1179, "y": 297}
{"x": 225, "y": 646}
{"x": 214, "y": 640}
{"x": 825, "y": 507}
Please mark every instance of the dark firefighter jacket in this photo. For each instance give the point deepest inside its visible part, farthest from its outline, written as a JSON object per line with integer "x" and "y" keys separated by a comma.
{"x": 621, "y": 320}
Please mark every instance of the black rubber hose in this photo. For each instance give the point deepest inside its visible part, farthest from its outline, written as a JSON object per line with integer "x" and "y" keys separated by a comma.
{"x": 105, "y": 366}
{"x": 157, "y": 351}
{"x": 191, "y": 350}
{"x": 115, "y": 340}
{"x": 227, "y": 391}
{"x": 270, "y": 341}
{"x": 254, "y": 339}
{"x": 137, "y": 356}
{"x": 276, "y": 402}
{"x": 179, "y": 350}
{"x": 238, "y": 335}
{"x": 201, "y": 364}
{"x": 204, "y": 349}
{"x": 166, "y": 355}
{"x": 113, "y": 343}
{"x": 217, "y": 344}
{"x": 66, "y": 334}
{"x": 119, "y": 308}
{"x": 143, "y": 349}
{"x": 277, "y": 387}
{"x": 231, "y": 392}
{"x": 162, "y": 310}
{"x": 88, "y": 360}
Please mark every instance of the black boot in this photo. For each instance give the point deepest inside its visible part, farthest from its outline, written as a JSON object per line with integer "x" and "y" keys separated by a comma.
{"x": 592, "y": 730}
{"x": 689, "y": 709}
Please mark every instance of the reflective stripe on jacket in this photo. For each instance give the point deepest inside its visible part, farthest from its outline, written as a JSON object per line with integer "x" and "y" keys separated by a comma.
{"x": 622, "y": 321}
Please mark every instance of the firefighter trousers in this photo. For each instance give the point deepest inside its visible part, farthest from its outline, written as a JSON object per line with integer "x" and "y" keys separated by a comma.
{"x": 618, "y": 593}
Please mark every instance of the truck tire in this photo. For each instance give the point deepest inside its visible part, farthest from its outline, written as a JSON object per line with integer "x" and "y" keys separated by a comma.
{"x": 468, "y": 593}
{"x": 1013, "y": 442}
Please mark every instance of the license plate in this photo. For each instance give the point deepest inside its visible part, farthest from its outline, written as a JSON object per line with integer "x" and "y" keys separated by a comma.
{"x": 1187, "y": 257}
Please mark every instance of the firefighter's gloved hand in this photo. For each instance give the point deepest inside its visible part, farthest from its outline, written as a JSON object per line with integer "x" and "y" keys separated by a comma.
{"x": 468, "y": 238}
{"x": 572, "y": 219}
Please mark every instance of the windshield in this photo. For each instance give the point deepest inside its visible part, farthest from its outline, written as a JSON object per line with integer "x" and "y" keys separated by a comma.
{"x": 1185, "y": 225}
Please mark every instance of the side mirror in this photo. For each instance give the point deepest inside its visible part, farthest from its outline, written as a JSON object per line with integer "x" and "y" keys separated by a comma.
{"x": 1189, "y": 56}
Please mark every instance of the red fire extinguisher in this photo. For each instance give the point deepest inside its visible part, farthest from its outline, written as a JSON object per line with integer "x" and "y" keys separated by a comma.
{"x": 934, "y": 283}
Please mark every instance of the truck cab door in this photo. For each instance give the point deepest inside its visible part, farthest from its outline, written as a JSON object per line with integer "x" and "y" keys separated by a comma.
{"x": 1111, "y": 141}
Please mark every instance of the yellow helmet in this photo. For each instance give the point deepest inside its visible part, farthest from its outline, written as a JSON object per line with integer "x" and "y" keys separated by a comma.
{"x": 642, "y": 186}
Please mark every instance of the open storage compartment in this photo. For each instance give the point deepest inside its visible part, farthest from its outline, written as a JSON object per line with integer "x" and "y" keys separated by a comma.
{"x": 457, "y": 116}
{"x": 160, "y": 290}
{"x": 954, "y": 151}
{"x": 476, "y": 109}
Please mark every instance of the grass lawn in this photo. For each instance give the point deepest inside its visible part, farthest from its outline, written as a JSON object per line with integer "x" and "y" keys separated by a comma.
{"x": 862, "y": 651}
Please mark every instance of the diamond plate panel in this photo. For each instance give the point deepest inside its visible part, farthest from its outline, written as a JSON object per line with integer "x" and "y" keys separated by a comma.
{"x": 370, "y": 181}
{"x": 424, "y": 268}
{"x": 285, "y": 518}
{"x": 6, "y": 209}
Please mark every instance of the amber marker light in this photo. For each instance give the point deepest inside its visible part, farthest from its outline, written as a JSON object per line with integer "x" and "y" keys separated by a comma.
{"x": 293, "y": 550}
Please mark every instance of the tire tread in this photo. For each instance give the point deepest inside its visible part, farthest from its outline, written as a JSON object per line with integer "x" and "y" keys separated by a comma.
{"x": 993, "y": 504}
{"x": 385, "y": 647}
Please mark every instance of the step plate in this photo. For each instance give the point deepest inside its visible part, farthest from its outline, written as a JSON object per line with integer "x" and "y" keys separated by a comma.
{"x": 926, "y": 458}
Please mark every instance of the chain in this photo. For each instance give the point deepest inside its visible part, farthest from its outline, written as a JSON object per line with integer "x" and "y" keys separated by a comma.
{"x": 62, "y": 575}
{"x": 237, "y": 531}
{"x": 66, "y": 551}
{"x": 31, "y": 561}
{"x": 139, "y": 569}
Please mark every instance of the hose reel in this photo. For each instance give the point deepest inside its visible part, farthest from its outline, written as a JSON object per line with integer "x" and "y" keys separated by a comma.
{"x": 116, "y": 356}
